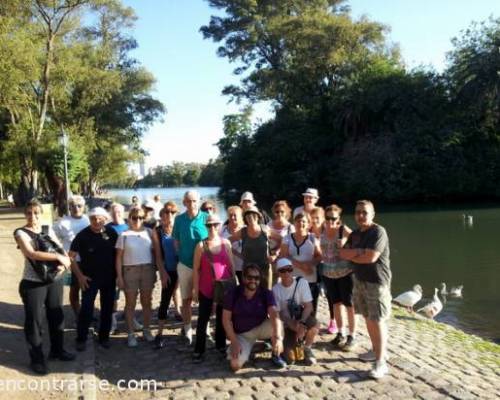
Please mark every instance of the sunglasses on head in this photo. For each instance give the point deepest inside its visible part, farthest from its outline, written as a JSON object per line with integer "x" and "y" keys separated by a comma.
{"x": 285, "y": 270}
{"x": 330, "y": 218}
{"x": 136, "y": 218}
{"x": 252, "y": 277}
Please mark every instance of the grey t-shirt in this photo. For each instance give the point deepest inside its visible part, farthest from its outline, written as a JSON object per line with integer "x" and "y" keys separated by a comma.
{"x": 374, "y": 238}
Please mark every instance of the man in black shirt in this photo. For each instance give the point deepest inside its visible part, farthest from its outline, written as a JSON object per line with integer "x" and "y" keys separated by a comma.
{"x": 368, "y": 250}
{"x": 96, "y": 273}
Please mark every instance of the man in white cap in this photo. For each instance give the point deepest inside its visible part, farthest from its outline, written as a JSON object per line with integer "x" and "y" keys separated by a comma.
{"x": 294, "y": 304}
{"x": 66, "y": 229}
{"x": 95, "y": 273}
{"x": 311, "y": 198}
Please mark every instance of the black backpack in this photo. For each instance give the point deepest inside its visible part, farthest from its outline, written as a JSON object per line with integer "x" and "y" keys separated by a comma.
{"x": 46, "y": 270}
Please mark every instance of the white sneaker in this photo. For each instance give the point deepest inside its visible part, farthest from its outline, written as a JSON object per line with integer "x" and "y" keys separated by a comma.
{"x": 137, "y": 325}
{"x": 369, "y": 356}
{"x": 131, "y": 340}
{"x": 379, "y": 370}
{"x": 147, "y": 335}
{"x": 114, "y": 323}
{"x": 189, "y": 335}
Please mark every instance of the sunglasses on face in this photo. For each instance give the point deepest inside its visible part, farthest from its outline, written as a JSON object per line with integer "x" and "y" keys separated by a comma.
{"x": 286, "y": 270}
{"x": 330, "y": 218}
{"x": 209, "y": 208}
{"x": 137, "y": 218}
{"x": 77, "y": 205}
{"x": 212, "y": 225}
{"x": 252, "y": 277}
{"x": 170, "y": 212}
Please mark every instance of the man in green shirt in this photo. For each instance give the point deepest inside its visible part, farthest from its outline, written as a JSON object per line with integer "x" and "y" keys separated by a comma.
{"x": 189, "y": 229}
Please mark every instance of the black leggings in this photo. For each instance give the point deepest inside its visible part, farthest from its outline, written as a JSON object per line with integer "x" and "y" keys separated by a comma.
{"x": 204, "y": 311}
{"x": 166, "y": 295}
{"x": 36, "y": 296}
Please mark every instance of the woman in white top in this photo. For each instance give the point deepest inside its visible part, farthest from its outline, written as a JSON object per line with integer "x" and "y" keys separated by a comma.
{"x": 303, "y": 249}
{"x": 235, "y": 224}
{"x": 280, "y": 225}
{"x": 39, "y": 295}
{"x": 137, "y": 253}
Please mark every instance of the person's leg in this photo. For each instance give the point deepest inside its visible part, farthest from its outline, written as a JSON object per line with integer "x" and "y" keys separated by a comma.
{"x": 220, "y": 333}
{"x": 74, "y": 295}
{"x": 204, "y": 311}
{"x": 107, "y": 295}
{"x": 55, "y": 316}
{"x": 130, "y": 301}
{"x": 145, "y": 296}
{"x": 86, "y": 312}
{"x": 378, "y": 337}
{"x": 33, "y": 296}
{"x": 329, "y": 288}
{"x": 177, "y": 299}
{"x": 186, "y": 288}
{"x": 314, "y": 287}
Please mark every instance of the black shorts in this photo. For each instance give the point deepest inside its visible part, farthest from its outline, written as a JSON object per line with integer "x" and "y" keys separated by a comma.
{"x": 339, "y": 290}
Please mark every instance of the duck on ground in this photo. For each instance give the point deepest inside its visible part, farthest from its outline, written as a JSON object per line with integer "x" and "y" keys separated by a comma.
{"x": 442, "y": 289}
{"x": 434, "y": 307}
{"x": 410, "y": 298}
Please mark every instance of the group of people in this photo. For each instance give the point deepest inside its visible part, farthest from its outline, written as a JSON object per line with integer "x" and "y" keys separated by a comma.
{"x": 261, "y": 276}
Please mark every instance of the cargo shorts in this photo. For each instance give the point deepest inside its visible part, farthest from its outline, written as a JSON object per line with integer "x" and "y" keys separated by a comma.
{"x": 371, "y": 300}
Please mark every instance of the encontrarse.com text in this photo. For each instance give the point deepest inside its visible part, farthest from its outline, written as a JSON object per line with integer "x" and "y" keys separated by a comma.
{"x": 53, "y": 384}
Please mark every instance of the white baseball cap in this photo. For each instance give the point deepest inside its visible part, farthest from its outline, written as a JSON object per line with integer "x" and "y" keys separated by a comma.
{"x": 283, "y": 263}
{"x": 98, "y": 212}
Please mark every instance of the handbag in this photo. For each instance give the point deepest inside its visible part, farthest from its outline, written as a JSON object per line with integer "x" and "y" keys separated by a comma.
{"x": 47, "y": 271}
{"x": 221, "y": 286}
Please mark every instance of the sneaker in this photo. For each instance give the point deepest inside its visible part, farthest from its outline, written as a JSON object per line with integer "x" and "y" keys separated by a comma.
{"x": 137, "y": 325}
{"x": 159, "y": 342}
{"x": 337, "y": 340}
{"x": 369, "y": 356}
{"x": 332, "y": 327}
{"x": 189, "y": 335}
{"x": 131, "y": 340}
{"x": 350, "y": 344}
{"x": 278, "y": 361}
{"x": 39, "y": 368}
{"x": 147, "y": 335}
{"x": 198, "y": 358}
{"x": 309, "y": 357}
{"x": 114, "y": 324}
{"x": 379, "y": 370}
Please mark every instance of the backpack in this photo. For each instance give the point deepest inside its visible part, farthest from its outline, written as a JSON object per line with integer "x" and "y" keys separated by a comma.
{"x": 47, "y": 271}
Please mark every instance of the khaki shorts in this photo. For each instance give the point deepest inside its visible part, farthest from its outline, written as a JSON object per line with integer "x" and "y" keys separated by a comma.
{"x": 371, "y": 300}
{"x": 142, "y": 276}
{"x": 185, "y": 275}
{"x": 247, "y": 340}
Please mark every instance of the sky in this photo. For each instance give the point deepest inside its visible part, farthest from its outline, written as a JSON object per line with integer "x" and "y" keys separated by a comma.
{"x": 190, "y": 76}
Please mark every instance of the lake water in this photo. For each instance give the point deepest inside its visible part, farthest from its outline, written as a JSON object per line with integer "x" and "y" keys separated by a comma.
{"x": 427, "y": 247}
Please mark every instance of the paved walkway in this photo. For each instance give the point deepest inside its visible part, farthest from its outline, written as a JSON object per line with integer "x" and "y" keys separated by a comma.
{"x": 428, "y": 360}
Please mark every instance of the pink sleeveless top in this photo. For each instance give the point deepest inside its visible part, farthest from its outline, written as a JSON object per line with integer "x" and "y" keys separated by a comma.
{"x": 222, "y": 271}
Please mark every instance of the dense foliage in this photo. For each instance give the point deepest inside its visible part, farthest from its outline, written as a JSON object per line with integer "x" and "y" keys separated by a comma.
{"x": 350, "y": 119}
{"x": 66, "y": 65}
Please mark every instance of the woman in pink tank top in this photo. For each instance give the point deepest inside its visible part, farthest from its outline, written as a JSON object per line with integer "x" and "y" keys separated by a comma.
{"x": 214, "y": 252}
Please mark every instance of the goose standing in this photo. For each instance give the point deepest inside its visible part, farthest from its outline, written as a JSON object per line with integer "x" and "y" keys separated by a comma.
{"x": 442, "y": 289}
{"x": 434, "y": 307}
{"x": 456, "y": 291}
{"x": 410, "y": 298}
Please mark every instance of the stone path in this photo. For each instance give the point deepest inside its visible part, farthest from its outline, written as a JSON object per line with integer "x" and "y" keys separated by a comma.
{"x": 428, "y": 360}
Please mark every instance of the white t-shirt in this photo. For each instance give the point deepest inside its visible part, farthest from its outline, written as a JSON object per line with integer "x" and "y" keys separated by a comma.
{"x": 157, "y": 206}
{"x": 29, "y": 273}
{"x": 303, "y": 251}
{"x": 137, "y": 247}
{"x": 283, "y": 294}
{"x": 68, "y": 227}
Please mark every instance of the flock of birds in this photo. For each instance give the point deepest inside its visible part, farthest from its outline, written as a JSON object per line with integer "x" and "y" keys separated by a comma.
{"x": 411, "y": 297}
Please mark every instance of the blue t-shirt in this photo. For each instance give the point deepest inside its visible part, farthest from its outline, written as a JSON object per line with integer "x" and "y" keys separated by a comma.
{"x": 170, "y": 257}
{"x": 119, "y": 228}
{"x": 188, "y": 232}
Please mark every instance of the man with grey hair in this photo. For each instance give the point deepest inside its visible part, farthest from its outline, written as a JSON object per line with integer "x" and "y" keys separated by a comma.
{"x": 66, "y": 230}
{"x": 189, "y": 229}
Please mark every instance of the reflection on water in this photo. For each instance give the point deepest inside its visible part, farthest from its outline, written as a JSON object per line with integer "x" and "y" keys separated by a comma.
{"x": 427, "y": 247}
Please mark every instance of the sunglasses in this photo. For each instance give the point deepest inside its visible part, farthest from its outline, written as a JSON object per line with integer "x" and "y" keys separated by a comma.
{"x": 209, "y": 208}
{"x": 285, "y": 270}
{"x": 137, "y": 218}
{"x": 77, "y": 205}
{"x": 212, "y": 225}
{"x": 252, "y": 277}
{"x": 170, "y": 212}
{"x": 328, "y": 218}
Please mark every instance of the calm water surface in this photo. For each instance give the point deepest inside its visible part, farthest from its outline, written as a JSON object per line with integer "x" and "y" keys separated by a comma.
{"x": 427, "y": 247}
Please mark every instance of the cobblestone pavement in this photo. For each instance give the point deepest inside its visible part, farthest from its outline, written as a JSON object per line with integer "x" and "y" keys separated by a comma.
{"x": 428, "y": 360}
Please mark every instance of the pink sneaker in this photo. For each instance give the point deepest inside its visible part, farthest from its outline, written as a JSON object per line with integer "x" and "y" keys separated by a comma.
{"x": 332, "y": 328}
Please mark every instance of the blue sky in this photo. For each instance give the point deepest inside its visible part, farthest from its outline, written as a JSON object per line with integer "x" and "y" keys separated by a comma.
{"x": 190, "y": 76}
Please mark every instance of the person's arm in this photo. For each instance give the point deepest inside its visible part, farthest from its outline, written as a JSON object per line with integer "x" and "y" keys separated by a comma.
{"x": 196, "y": 270}
{"x": 29, "y": 252}
{"x": 367, "y": 255}
{"x": 159, "y": 258}
{"x": 83, "y": 280}
{"x": 284, "y": 253}
{"x": 119, "y": 263}
{"x": 277, "y": 329}
{"x": 229, "y": 251}
{"x": 235, "y": 236}
{"x": 227, "y": 322}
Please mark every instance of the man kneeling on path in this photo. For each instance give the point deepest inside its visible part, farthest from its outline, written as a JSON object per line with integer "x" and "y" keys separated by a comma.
{"x": 249, "y": 315}
{"x": 294, "y": 303}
